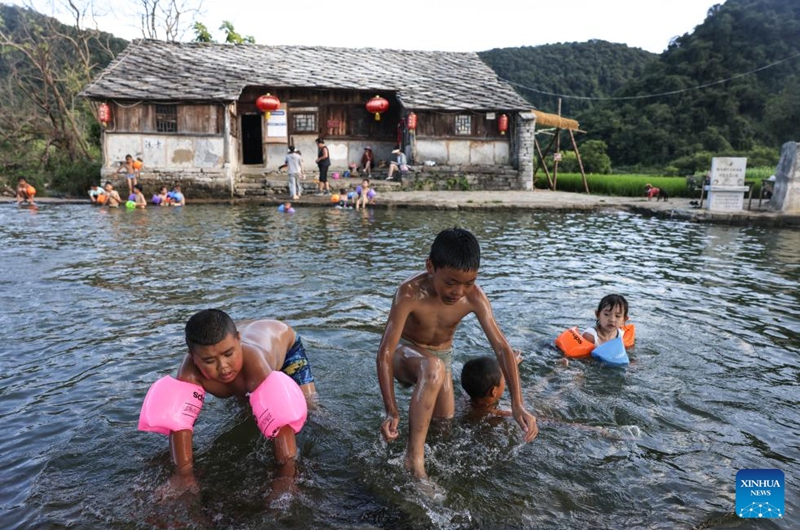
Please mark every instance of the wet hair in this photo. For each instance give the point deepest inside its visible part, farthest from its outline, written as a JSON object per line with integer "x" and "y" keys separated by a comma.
{"x": 22, "y": 179}
{"x": 342, "y": 191}
{"x": 208, "y": 327}
{"x": 479, "y": 376}
{"x": 457, "y": 249}
{"x": 139, "y": 187}
{"x": 613, "y": 300}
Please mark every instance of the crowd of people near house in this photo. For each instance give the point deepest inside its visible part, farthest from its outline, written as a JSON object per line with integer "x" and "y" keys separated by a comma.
{"x": 107, "y": 196}
{"x": 363, "y": 195}
{"x": 359, "y": 198}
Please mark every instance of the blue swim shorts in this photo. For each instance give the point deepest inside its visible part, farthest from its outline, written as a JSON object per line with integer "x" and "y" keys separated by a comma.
{"x": 296, "y": 364}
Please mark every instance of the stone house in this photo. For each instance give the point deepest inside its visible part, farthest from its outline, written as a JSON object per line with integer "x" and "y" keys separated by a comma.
{"x": 189, "y": 110}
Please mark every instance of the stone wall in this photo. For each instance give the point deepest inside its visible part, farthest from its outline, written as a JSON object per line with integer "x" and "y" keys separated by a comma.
{"x": 526, "y": 130}
{"x": 461, "y": 178}
{"x": 195, "y": 183}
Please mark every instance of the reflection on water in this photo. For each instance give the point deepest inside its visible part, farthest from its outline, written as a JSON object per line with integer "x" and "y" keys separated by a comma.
{"x": 95, "y": 302}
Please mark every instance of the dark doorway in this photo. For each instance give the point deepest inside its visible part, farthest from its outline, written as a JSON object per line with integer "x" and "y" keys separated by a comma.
{"x": 252, "y": 151}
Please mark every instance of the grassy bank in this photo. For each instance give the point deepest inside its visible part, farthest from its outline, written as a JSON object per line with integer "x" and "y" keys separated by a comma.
{"x": 633, "y": 185}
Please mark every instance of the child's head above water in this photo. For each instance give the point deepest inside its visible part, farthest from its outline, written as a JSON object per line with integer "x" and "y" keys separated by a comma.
{"x": 482, "y": 379}
{"x": 613, "y": 302}
{"x": 612, "y": 313}
{"x": 208, "y": 327}
{"x": 455, "y": 248}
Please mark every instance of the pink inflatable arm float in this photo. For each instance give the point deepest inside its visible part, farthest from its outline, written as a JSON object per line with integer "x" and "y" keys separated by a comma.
{"x": 278, "y": 402}
{"x": 171, "y": 405}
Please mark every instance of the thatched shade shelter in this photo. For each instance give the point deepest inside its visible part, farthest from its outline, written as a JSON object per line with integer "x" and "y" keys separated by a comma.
{"x": 557, "y": 122}
{"x": 554, "y": 120}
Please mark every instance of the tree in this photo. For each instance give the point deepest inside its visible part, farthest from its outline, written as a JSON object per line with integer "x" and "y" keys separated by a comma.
{"x": 45, "y": 64}
{"x": 201, "y": 33}
{"x": 594, "y": 157}
{"x": 231, "y": 37}
{"x": 168, "y": 20}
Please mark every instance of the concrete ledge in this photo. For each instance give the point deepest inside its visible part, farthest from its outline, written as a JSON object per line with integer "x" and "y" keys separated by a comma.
{"x": 505, "y": 201}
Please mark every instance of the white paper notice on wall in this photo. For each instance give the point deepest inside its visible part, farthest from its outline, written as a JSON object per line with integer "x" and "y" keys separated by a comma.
{"x": 277, "y": 124}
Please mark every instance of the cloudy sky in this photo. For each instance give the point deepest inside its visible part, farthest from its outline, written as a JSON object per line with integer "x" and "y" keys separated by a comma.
{"x": 422, "y": 24}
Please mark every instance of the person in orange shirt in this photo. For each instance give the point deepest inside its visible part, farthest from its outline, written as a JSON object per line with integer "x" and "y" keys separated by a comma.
{"x": 25, "y": 192}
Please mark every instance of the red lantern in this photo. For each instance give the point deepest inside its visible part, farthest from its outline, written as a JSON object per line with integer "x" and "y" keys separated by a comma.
{"x": 377, "y": 105}
{"x": 267, "y": 103}
{"x": 104, "y": 114}
{"x": 502, "y": 123}
{"x": 412, "y": 121}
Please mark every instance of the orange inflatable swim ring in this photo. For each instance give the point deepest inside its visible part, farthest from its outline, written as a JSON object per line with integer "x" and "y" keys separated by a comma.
{"x": 137, "y": 164}
{"x": 31, "y": 191}
{"x": 572, "y": 343}
{"x": 101, "y": 199}
{"x": 630, "y": 335}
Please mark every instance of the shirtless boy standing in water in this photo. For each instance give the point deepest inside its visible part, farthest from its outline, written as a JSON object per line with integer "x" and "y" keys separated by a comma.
{"x": 416, "y": 348}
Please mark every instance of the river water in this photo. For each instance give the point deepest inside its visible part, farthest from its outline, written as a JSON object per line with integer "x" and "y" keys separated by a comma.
{"x": 94, "y": 303}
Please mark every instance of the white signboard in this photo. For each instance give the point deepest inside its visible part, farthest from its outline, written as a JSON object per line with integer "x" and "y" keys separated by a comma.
{"x": 726, "y": 171}
{"x": 277, "y": 126}
{"x": 726, "y": 189}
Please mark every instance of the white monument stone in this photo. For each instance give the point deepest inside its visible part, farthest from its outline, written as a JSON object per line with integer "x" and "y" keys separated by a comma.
{"x": 726, "y": 188}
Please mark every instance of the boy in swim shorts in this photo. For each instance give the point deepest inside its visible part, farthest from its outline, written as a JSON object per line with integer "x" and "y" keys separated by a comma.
{"x": 232, "y": 359}
{"x": 129, "y": 169}
{"x": 416, "y": 348}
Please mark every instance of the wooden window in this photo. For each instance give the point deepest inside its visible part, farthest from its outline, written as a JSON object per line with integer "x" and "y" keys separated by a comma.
{"x": 167, "y": 118}
{"x": 304, "y": 122}
{"x": 464, "y": 125}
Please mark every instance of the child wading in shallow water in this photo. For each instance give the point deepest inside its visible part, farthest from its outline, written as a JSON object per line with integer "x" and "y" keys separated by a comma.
{"x": 611, "y": 313}
{"x": 417, "y": 344}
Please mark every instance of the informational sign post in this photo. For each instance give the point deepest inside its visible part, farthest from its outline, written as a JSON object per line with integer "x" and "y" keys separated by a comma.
{"x": 726, "y": 187}
{"x": 277, "y": 126}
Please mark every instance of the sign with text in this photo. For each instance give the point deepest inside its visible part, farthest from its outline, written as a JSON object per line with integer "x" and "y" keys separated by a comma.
{"x": 760, "y": 494}
{"x": 277, "y": 125}
{"x": 727, "y": 171}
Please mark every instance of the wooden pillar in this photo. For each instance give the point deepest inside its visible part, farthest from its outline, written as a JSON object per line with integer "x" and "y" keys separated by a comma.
{"x": 558, "y": 148}
{"x": 580, "y": 163}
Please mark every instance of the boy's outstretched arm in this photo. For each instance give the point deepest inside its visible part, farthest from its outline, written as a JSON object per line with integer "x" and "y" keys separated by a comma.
{"x": 507, "y": 359}
{"x": 182, "y": 480}
{"x": 391, "y": 337}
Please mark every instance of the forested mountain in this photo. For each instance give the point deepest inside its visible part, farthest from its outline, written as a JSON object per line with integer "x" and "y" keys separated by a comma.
{"x": 730, "y": 87}
{"x": 595, "y": 68}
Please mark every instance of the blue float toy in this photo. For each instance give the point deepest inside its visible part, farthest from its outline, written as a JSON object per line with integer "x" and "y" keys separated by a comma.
{"x": 612, "y": 353}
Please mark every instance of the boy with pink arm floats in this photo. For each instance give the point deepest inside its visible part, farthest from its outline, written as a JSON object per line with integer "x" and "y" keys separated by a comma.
{"x": 262, "y": 359}
{"x": 417, "y": 344}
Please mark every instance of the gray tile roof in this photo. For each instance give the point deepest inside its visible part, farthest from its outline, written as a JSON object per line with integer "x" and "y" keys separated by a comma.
{"x": 165, "y": 71}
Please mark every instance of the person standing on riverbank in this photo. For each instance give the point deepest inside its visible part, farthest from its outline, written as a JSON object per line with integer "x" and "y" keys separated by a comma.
{"x": 323, "y": 163}
{"x": 294, "y": 164}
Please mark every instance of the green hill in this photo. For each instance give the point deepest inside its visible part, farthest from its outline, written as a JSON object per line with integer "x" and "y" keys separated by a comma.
{"x": 730, "y": 87}
{"x": 596, "y": 68}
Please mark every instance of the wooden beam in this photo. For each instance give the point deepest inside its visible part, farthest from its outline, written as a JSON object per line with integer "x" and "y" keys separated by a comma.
{"x": 580, "y": 163}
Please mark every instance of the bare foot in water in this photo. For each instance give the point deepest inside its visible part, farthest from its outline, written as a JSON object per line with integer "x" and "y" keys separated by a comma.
{"x": 415, "y": 466}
